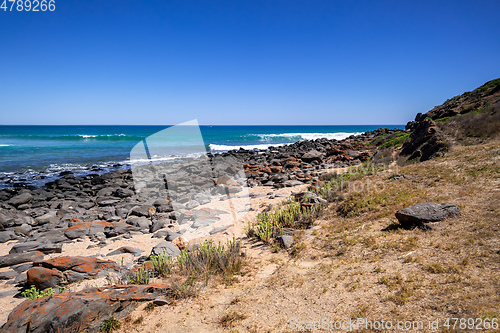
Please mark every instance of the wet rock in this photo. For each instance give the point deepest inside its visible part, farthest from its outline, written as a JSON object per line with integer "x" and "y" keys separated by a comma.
{"x": 425, "y": 213}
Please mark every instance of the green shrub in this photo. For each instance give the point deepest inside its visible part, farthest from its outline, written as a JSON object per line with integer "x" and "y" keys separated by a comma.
{"x": 396, "y": 140}
{"x": 34, "y": 293}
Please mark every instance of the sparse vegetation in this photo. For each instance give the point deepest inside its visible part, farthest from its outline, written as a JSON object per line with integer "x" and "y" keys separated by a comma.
{"x": 110, "y": 324}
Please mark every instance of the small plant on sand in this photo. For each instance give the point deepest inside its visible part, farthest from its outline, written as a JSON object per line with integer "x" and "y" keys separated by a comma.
{"x": 162, "y": 264}
{"x": 110, "y": 324}
{"x": 142, "y": 276}
{"x": 34, "y": 293}
{"x": 230, "y": 318}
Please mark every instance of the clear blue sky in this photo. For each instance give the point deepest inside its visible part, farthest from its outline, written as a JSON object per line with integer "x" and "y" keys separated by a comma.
{"x": 243, "y": 61}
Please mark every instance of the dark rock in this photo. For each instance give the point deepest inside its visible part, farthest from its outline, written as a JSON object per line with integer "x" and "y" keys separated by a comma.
{"x": 25, "y": 247}
{"x": 143, "y": 210}
{"x": 160, "y": 302}
{"x": 156, "y": 225}
{"x": 20, "y": 199}
{"x": 170, "y": 235}
{"x": 140, "y": 222}
{"x": 19, "y": 258}
{"x": 426, "y": 212}
{"x": 8, "y": 275}
{"x": 6, "y": 236}
{"x": 22, "y": 267}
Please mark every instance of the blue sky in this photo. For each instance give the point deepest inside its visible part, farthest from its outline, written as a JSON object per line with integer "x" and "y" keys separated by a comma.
{"x": 243, "y": 62}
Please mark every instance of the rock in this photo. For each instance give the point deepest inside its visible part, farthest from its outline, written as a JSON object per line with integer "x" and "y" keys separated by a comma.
{"x": 143, "y": 210}
{"x": 426, "y": 212}
{"x": 124, "y": 192}
{"x": 165, "y": 248}
{"x": 44, "y": 278}
{"x": 69, "y": 312}
{"x": 290, "y": 183}
{"x": 219, "y": 229}
{"x": 22, "y": 267}
{"x": 285, "y": 241}
{"x": 8, "y": 275}
{"x": 24, "y": 229}
{"x": 88, "y": 265}
{"x": 50, "y": 217}
{"x": 25, "y": 247}
{"x": 312, "y": 155}
{"x": 180, "y": 242}
{"x": 126, "y": 249}
{"x": 81, "y": 230}
{"x": 118, "y": 228}
{"x": 156, "y": 225}
{"x": 170, "y": 235}
{"x": 140, "y": 222}
{"x": 72, "y": 276}
{"x": 19, "y": 258}
{"x": 6, "y": 236}
{"x": 20, "y": 199}
{"x": 160, "y": 302}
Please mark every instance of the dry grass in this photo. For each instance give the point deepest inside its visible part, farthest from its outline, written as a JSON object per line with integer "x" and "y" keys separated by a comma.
{"x": 357, "y": 262}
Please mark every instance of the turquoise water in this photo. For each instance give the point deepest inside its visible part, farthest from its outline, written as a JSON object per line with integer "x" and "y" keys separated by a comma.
{"x": 27, "y": 151}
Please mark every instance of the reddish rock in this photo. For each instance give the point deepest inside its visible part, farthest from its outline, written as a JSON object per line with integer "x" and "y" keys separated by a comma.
{"x": 44, "y": 278}
{"x": 80, "y": 311}
{"x": 88, "y": 265}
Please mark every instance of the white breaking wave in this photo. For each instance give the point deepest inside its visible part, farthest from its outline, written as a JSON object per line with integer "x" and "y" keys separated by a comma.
{"x": 310, "y": 136}
{"x": 85, "y": 136}
{"x": 5, "y": 145}
{"x": 214, "y": 147}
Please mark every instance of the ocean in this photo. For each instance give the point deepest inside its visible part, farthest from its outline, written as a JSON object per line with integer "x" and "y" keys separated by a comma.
{"x": 37, "y": 154}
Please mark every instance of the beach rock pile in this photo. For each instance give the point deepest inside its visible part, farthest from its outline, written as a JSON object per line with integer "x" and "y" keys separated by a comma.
{"x": 74, "y": 311}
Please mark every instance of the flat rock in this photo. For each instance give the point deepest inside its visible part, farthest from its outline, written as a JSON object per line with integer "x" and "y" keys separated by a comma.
{"x": 6, "y": 236}
{"x": 20, "y": 199}
{"x": 126, "y": 249}
{"x": 426, "y": 212}
{"x": 81, "y": 230}
{"x": 165, "y": 248}
{"x": 19, "y": 258}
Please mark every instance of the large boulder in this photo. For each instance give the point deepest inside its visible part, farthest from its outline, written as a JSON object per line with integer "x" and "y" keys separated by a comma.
{"x": 70, "y": 312}
{"x": 44, "y": 278}
{"x": 426, "y": 212}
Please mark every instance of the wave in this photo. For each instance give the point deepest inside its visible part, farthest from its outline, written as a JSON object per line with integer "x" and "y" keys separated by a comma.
{"x": 306, "y": 136}
{"x": 2, "y": 145}
{"x": 214, "y": 147}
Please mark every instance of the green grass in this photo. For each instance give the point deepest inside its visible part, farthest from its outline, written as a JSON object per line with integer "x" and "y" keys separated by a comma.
{"x": 396, "y": 140}
{"x": 442, "y": 120}
{"x": 34, "y": 293}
